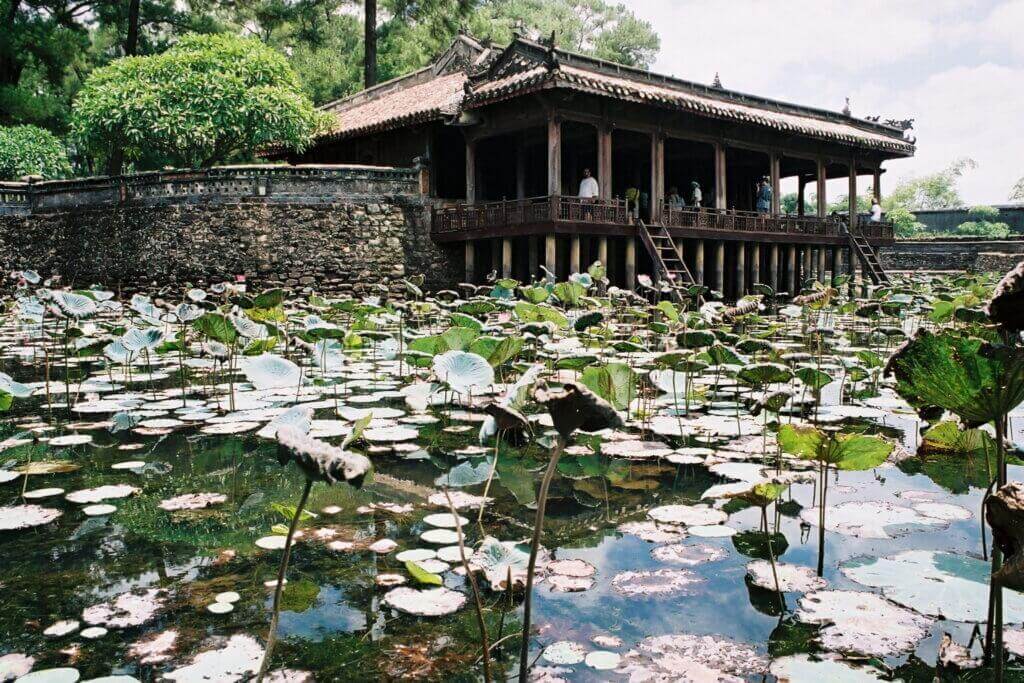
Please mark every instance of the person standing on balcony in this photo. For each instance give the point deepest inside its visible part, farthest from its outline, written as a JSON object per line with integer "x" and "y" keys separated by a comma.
{"x": 876, "y": 210}
{"x": 589, "y": 188}
{"x": 764, "y": 196}
{"x": 695, "y": 194}
{"x": 674, "y": 200}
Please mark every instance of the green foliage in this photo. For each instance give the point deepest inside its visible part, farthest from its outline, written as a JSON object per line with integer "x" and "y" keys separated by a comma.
{"x": 216, "y": 327}
{"x": 30, "y": 150}
{"x": 983, "y": 223}
{"x": 973, "y": 379}
{"x": 615, "y": 383}
{"x": 789, "y": 203}
{"x": 933, "y": 191}
{"x": 842, "y": 451}
{"x": 421, "y": 575}
{"x": 207, "y": 99}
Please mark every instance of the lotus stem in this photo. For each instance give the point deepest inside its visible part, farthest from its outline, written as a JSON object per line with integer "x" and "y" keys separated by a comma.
{"x": 538, "y": 528}
{"x": 821, "y": 519}
{"x": 282, "y": 569}
{"x": 472, "y": 584}
{"x": 490, "y": 477}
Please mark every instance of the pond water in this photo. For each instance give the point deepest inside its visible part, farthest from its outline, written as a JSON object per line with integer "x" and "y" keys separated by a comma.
{"x": 660, "y": 571}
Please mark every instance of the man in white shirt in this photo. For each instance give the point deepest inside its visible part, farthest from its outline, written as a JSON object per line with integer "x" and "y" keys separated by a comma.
{"x": 588, "y": 186}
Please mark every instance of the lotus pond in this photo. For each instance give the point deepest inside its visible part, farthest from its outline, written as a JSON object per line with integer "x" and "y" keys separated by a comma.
{"x": 737, "y": 493}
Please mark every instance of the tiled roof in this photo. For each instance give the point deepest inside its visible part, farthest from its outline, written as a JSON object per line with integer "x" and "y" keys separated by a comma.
{"x": 402, "y": 105}
{"x": 524, "y": 66}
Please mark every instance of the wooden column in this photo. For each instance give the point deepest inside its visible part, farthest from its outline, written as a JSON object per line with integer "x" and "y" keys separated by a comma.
{"x": 554, "y": 155}
{"x": 853, "y": 194}
{"x": 657, "y": 175}
{"x": 574, "y": 254}
{"x": 698, "y": 262}
{"x": 741, "y": 269}
{"x": 773, "y": 267}
{"x": 533, "y": 256}
{"x": 822, "y": 194}
{"x": 720, "y": 266}
{"x": 506, "y": 257}
{"x": 602, "y": 252}
{"x": 470, "y": 171}
{"x": 801, "y": 190}
{"x": 877, "y": 185}
{"x": 720, "y": 194}
{"x": 604, "y": 162}
{"x": 630, "y": 263}
{"x": 792, "y": 266}
{"x": 470, "y": 265}
{"x": 521, "y": 167}
{"x": 755, "y": 263}
{"x": 774, "y": 175}
{"x": 496, "y": 255}
{"x": 551, "y": 254}
{"x": 808, "y": 265}
{"x": 821, "y": 264}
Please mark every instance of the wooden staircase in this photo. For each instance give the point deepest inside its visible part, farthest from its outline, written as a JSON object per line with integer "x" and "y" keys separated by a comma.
{"x": 665, "y": 256}
{"x": 868, "y": 257}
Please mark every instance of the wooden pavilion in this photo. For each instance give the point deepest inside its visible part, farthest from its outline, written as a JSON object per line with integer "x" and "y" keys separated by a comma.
{"x": 506, "y": 133}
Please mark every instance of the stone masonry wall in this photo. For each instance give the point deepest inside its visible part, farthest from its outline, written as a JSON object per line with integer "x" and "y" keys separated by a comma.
{"x": 323, "y": 243}
{"x": 953, "y": 254}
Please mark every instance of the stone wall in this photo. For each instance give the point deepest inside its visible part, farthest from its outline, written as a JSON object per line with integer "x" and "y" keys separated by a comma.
{"x": 953, "y": 254}
{"x": 328, "y": 234}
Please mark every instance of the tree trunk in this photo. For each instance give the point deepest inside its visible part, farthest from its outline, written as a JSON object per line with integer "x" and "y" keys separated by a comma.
{"x": 370, "y": 44}
{"x": 131, "y": 40}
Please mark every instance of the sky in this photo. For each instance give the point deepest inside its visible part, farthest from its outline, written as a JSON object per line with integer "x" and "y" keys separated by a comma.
{"x": 957, "y": 68}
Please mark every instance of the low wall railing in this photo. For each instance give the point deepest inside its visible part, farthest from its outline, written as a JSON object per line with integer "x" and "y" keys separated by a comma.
{"x": 288, "y": 183}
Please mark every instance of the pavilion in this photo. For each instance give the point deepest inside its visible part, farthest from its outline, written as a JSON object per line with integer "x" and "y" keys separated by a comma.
{"x": 505, "y": 134}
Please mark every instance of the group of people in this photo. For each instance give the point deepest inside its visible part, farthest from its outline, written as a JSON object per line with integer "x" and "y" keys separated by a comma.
{"x": 639, "y": 199}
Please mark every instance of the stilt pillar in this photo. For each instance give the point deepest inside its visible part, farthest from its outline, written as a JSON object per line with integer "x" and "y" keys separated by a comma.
{"x": 755, "y": 263}
{"x": 470, "y": 266}
{"x": 506, "y": 257}
{"x": 551, "y": 254}
{"x": 741, "y": 269}
{"x": 821, "y": 264}
{"x": 698, "y": 262}
{"x": 791, "y": 258}
{"x": 773, "y": 267}
{"x": 630, "y": 263}
{"x": 602, "y": 252}
{"x": 720, "y": 266}
{"x": 496, "y": 255}
{"x": 837, "y": 256}
{"x": 808, "y": 264}
{"x": 574, "y": 254}
{"x": 533, "y": 256}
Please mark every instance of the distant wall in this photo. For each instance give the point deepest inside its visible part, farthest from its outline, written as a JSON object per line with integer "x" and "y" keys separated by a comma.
{"x": 947, "y": 220}
{"x": 324, "y": 228}
{"x": 953, "y": 254}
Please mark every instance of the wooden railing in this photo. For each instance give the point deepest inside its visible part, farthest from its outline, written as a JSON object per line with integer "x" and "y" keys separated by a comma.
{"x": 481, "y": 216}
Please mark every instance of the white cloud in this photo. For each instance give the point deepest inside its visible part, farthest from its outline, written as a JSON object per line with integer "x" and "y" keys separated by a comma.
{"x": 956, "y": 67}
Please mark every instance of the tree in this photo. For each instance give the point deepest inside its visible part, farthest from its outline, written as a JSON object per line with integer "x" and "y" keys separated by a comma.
{"x": 933, "y": 191}
{"x": 789, "y": 204}
{"x": 208, "y": 99}
{"x": 593, "y": 27}
{"x": 983, "y": 223}
{"x": 30, "y": 150}
{"x": 905, "y": 223}
{"x": 1017, "y": 193}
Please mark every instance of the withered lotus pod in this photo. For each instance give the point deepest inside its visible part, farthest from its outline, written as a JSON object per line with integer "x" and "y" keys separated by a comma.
{"x": 319, "y": 460}
{"x": 507, "y": 418}
{"x": 1004, "y": 511}
{"x": 577, "y": 407}
{"x": 1006, "y": 308}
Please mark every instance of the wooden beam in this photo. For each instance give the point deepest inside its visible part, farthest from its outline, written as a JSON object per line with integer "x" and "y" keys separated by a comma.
{"x": 604, "y": 160}
{"x": 774, "y": 174}
{"x": 554, "y": 155}
{"x": 853, "y": 194}
{"x": 720, "y": 194}
{"x": 821, "y": 190}
{"x": 470, "y": 171}
{"x": 657, "y": 175}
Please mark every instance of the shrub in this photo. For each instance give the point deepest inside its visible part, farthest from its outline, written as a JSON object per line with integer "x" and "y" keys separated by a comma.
{"x": 30, "y": 150}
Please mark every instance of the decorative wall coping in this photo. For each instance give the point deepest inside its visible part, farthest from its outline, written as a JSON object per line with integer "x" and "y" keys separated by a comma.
{"x": 283, "y": 183}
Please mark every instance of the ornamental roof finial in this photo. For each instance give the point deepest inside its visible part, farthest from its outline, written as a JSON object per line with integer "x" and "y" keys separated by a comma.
{"x": 717, "y": 83}
{"x": 846, "y": 107}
